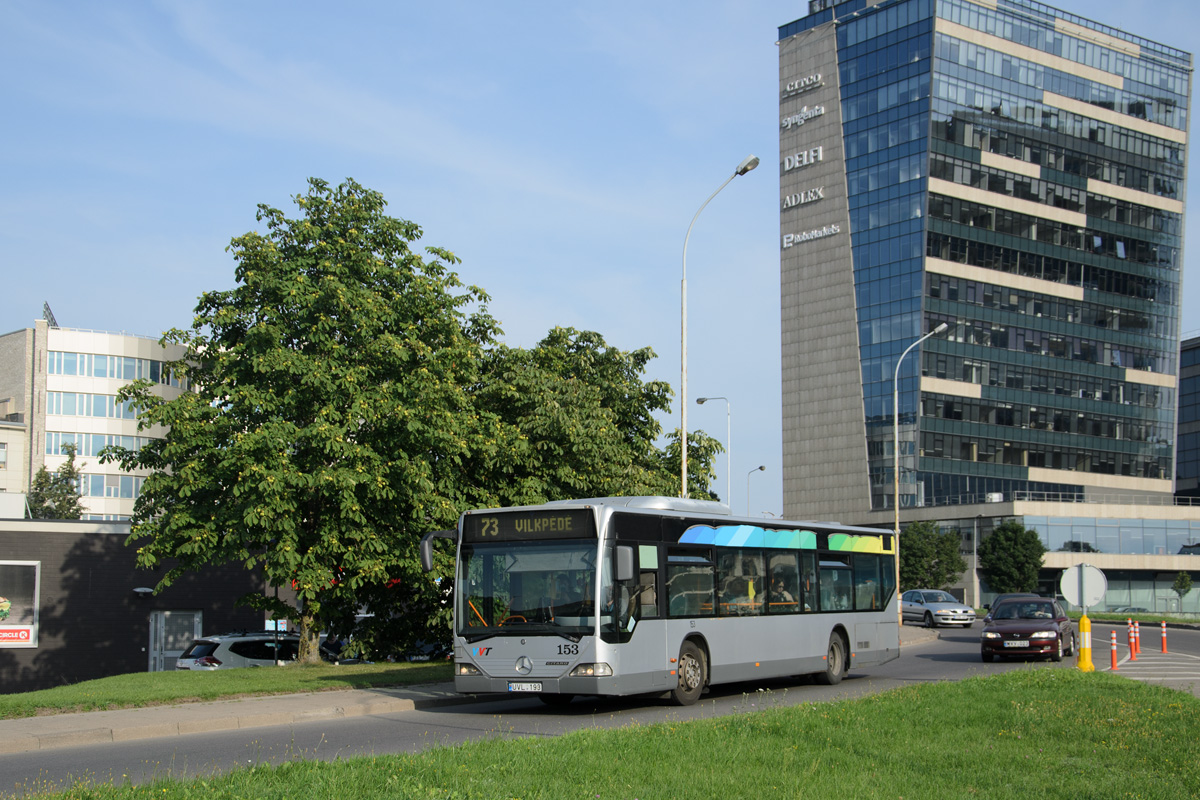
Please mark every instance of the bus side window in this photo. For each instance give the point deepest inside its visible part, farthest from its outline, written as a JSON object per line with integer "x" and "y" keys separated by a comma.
{"x": 836, "y": 583}
{"x": 691, "y": 583}
{"x": 648, "y": 594}
{"x": 740, "y": 574}
{"x": 784, "y": 591}
{"x": 808, "y": 582}
{"x": 868, "y": 588}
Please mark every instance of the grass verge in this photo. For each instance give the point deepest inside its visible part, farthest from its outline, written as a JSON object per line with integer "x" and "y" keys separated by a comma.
{"x": 163, "y": 688}
{"x": 1046, "y": 733}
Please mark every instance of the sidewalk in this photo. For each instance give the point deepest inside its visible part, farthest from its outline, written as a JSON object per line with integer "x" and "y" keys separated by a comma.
{"x": 96, "y": 727}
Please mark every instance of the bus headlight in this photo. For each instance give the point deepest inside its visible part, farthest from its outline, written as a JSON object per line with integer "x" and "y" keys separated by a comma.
{"x": 465, "y": 669}
{"x": 592, "y": 671}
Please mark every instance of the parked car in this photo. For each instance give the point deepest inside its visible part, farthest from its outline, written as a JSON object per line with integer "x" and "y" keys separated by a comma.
{"x": 241, "y": 649}
{"x": 1027, "y": 626}
{"x": 1000, "y": 598}
{"x": 934, "y": 607}
{"x": 1130, "y": 610}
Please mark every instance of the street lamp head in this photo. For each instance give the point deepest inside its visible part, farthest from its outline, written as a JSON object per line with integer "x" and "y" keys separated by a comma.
{"x": 701, "y": 401}
{"x": 941, "y": 328}
{"x": 748, "y": 164}
{"x": 760, "y": 468}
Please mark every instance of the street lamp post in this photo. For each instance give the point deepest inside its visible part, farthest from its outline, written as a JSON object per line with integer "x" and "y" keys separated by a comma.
{"x": 749, "y": 163}
{"x": 896, "y": 450}
{"x": 728, "y": 445}
{"x": 975, "y": 560}
{"x": 759, "y": 468}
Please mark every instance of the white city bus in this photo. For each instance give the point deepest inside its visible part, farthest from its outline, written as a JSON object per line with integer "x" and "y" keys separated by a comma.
{"x": 635, "y": 595}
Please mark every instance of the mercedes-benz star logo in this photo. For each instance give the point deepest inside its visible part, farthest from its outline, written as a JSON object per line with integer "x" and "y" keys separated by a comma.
{"x": 524, "y": 665}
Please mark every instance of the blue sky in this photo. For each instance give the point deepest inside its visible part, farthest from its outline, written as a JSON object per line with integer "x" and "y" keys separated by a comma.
{"x": 560, "y": 150}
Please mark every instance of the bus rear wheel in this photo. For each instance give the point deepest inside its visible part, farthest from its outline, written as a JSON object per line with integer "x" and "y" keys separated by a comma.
{"x": 836, "y": 664}
{"x": 692, "y": 670}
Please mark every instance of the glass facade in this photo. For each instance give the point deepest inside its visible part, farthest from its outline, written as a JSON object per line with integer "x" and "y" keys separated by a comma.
{"x": 1023, "y": 183}
{"x": 81, "y": 404}
{"x": 1143, "y": 588}
{"x": 90, "y": 444}
{"x": 93, "y": 365}
{"x": 884, "y": 64}
{"x": 126, "y": 486}
{"x": 1187, "y": 464}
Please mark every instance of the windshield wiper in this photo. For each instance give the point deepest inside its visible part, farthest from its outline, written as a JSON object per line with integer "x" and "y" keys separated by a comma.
{"x": 525, "y": 629}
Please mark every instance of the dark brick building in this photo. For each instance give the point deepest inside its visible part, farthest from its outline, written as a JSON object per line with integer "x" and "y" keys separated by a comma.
{"x": 75, "y": 613}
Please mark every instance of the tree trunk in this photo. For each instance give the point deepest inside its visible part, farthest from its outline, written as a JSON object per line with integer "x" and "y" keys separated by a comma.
{"x": 310, "y": 638}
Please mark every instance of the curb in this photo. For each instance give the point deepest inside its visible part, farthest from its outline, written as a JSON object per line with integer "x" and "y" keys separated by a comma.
{"x": 74, "y": 730}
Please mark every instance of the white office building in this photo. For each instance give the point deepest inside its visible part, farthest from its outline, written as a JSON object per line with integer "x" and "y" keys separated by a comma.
{"x": 59, "y": 386}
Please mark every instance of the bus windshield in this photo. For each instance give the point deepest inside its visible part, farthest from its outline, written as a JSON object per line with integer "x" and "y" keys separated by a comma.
{"x": 527, "y": 587}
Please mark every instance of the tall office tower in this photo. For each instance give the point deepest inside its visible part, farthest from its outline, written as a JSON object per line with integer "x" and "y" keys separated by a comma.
{"x": 1013, "y": 171}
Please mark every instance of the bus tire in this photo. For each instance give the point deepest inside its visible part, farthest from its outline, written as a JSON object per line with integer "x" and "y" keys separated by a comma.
{"x": 692, "y": 671}
{"x": 836, "y": 664}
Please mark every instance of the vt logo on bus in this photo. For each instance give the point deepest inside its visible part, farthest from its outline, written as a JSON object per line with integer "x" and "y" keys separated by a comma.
{"x": 480, "y": 652}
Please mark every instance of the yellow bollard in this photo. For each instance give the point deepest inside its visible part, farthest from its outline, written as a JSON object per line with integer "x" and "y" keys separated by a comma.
{"x": 1085, "y": 645}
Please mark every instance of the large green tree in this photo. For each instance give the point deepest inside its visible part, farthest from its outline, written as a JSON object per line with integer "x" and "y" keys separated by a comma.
{"x": 56, "y": 495}
{"x": 329, "y": 416}
{"x": 1011, "y": 557}
{"x": 929, "y": 559}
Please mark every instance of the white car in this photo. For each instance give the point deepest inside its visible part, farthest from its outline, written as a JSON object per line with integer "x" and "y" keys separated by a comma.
{"x": 230, "y": 650}
{"x": 933, "y": 607}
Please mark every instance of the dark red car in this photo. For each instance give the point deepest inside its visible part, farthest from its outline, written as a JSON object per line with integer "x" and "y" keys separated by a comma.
{"x": 1027, "y": 626}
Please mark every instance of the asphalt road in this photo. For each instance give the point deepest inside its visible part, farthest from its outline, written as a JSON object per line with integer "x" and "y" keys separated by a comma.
{"x": 954, "y": 656}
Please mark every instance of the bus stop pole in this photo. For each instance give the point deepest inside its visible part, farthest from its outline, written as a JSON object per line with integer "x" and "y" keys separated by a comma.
{"x": 1085, "y": 634}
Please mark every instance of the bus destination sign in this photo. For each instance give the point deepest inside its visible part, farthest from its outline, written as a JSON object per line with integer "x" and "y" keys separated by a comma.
{"x": 522, "y": 525}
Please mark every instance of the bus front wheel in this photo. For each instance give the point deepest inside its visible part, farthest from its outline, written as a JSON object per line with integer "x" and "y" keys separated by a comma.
{"x": 691, "y": 671}
{"x": 836, "y": 664}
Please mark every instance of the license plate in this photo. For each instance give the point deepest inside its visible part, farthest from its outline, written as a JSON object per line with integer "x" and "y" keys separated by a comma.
{"x": 1016, "y": 644}
{"x": 524, "y": 687}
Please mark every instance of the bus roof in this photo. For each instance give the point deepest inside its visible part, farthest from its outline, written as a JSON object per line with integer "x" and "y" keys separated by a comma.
{"x": 685, "y": 505}
{"x": 703, "y": 507}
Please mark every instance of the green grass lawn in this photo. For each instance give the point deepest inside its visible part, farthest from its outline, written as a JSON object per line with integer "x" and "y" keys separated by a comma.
{"x": 1044, "y": 733}
{"x": 160, "y": 688}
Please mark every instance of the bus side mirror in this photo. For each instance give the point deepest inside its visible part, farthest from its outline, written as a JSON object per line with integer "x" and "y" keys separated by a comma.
{"x": 427, "y": 547}
{"x": 624, "y": 563}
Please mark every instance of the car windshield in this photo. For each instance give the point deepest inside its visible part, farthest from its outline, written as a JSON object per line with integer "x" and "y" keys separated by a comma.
{"x": 528, "y": 587}
{"x": 939, "y": 597}
{"x": 200, "y": 650}
{"x": 1024, "y": 611}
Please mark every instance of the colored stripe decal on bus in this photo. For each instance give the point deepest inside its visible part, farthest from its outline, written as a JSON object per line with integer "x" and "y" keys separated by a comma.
{"x": 750, "y": 536}
{"x": 848, "y": 543}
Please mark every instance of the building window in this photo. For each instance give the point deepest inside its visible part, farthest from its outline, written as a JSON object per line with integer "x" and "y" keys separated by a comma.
{"x": 3, "y": 455}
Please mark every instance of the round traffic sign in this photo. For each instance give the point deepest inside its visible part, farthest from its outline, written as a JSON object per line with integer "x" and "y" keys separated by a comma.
{"x": 1083, "y": 585}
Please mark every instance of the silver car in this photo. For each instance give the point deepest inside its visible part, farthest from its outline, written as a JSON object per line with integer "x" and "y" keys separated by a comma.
{"x": 933, "y": 607}
{"x": 230, "y": 650}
